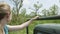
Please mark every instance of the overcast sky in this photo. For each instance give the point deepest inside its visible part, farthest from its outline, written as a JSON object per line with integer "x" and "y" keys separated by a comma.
{"x": 29, "y": 3}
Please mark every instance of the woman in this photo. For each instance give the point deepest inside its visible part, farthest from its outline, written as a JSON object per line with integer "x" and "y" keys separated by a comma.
{"x": 5, "y": 17}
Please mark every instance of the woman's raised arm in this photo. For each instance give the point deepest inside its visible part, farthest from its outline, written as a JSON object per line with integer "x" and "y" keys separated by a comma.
{"x": 19, "y": 27}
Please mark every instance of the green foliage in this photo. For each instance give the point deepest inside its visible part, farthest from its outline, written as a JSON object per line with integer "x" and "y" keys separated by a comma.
{"x": 16, "y": 11}
{"x": 53, "y": 10}
{"x": 36, "y": 8}
{"x": 45, "y": 12}
{"x": 23, "y": 12}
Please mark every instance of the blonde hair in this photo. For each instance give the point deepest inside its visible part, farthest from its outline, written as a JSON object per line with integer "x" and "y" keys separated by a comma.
{"x": 4, "y": 8}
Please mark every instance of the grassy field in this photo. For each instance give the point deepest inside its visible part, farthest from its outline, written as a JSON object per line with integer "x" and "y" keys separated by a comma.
{"x": 31, "y": 27}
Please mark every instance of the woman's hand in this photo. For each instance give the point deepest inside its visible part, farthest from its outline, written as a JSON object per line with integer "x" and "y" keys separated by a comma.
{"x": 35, "y": 18}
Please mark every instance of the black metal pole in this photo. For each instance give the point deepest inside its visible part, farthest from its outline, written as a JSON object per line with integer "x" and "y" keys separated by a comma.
{"x": 27, "y": 30}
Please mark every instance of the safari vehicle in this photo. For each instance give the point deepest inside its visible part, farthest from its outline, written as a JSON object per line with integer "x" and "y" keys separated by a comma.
{"x": 47, "y": 28}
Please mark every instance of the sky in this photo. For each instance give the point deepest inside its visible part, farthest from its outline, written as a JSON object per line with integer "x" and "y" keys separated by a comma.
{"x": 46, "y": 4}
{"x": 29, "y": 4}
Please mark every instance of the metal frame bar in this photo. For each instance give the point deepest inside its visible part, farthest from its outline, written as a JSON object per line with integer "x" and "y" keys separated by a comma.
{"x": 49, "y": 18}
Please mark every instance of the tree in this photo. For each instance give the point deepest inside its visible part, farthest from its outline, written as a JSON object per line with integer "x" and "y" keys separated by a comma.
{"x": 16, "y": 10}
{"x": 23, "y": 12}
{"x": 54, "y": 10}
{"x": 17, "y": 5}
{"x": 45, "y": 12}
{"x": 32, "y": 14}
{"x": 36, "y": 8}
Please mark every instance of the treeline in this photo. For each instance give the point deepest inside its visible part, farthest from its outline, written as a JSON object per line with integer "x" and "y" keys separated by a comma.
{"x": 20, "y": 16}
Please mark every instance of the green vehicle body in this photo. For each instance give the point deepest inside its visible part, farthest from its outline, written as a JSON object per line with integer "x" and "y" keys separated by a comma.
{"x": 47, "y": 29}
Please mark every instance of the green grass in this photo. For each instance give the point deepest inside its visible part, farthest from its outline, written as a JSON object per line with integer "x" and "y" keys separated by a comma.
{"x": 31, "y": 27}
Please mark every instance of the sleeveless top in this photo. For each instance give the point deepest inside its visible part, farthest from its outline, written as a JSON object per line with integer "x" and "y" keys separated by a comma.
{"x": 6, "y": 29}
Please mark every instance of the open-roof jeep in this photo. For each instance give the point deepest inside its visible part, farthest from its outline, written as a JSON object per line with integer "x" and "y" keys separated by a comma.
{"x": 47, "y": 28}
